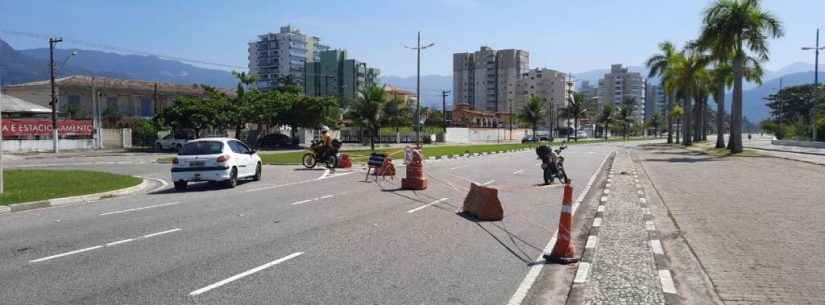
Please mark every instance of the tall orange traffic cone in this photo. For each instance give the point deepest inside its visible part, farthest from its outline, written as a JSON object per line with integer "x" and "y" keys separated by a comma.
{"x": 564, "y": 252}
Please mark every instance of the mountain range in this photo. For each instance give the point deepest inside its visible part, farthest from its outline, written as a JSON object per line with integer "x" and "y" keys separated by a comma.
{"x": 19, "y": 66}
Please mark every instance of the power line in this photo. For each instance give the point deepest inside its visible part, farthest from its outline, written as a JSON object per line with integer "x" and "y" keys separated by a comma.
{"x": 113, "y": 48}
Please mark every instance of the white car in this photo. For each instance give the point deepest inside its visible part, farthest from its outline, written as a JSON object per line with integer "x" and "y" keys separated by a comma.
{"x": 217, "y": 160}
{"x": 170, "y": 142}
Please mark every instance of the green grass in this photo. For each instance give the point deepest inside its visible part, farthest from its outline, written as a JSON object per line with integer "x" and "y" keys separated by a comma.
{"x": 35, "y": 185}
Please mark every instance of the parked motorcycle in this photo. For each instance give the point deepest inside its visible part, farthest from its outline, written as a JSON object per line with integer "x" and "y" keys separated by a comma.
{"x": 552, "y": 162}
{"x": 317, "y": 155}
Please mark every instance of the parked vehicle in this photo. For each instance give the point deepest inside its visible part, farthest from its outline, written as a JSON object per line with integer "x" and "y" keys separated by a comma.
{"x": 552, "y": 162}
{"x": 223, "y": 160}
{"x": 539, "y": 138}
{"x": 317, "y": 154}
{"x": 171, "y": 142}
{"x": 275, "y": 140}
{"x": 528, "y": 139}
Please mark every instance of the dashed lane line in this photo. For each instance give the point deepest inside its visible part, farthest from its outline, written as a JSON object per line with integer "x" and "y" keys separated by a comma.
{"x": 139, "y": 209}
{"x": 110, "y": 244}
{"x": 426, "y": 205}
{"x": 245, "y": 274}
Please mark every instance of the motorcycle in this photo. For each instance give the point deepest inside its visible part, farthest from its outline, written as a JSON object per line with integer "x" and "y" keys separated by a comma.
{"x": 552, "y": 163}
{"x": 317, "y": 155}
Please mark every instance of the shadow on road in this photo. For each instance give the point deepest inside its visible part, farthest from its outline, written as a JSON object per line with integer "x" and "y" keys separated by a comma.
{"x": 197, "y": 187}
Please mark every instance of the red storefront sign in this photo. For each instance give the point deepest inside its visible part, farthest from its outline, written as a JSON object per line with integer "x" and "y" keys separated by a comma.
{"x": 13, "y": 128}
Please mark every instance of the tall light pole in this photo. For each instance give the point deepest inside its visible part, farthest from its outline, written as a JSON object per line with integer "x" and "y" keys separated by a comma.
{"x": 52, "y": 42}
{"x": 444, "y": 94}
{"x": 816, "y": 83}
{"x": 1, "y": 133}
{"x": 418, "y": 49}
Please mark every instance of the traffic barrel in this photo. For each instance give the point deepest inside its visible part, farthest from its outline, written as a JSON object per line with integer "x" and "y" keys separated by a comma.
{"x": 563, "y": 251}
{"x": 345, "y": 161}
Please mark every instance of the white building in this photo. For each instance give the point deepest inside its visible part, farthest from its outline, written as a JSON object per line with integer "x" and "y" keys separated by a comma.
{"x": 551, "y": 86}
{"x": 485, "y": 80}
{"x": 284, "y": 54}
{"x": 619, "y": 84}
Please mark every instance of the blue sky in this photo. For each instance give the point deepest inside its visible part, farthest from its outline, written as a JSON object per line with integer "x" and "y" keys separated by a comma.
{"x": 571, "y": 36}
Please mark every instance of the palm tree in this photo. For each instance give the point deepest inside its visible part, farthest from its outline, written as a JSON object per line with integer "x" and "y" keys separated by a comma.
{"x": 241, "y": 104}
{"x": 655, "y": 121}
{"x": 659, "y": 65}
{"x": 675, "y": 114}
{"x": 576, "y": 109}
{"x": 397, "y": 114}
{"x": 532, "y": 112}
{"x": 606, "y": 117}
{"x": 688, "y": 77}
{"x": 367, "y": 111}
{"x": 625, "y": 114}
{"x": 733, "y": 27}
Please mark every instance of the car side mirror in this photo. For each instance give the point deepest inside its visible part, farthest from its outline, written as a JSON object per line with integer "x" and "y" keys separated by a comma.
{"x": 252, "y": 151}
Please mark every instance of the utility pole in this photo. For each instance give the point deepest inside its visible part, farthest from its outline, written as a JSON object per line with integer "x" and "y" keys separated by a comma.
{"x": 781, "y": 100}
{"x": 418, "y": 49}
{"x": 444, "y": 94}
{"x": 1, "y": 133}
{"x": 816, "y": 84}
{"x": 55, "y": 132}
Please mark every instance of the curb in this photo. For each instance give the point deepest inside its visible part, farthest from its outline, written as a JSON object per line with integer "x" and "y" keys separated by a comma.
{"x": 56, "y": 202}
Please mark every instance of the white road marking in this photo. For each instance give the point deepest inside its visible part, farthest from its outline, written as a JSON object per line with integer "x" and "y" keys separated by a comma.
{"x": 279, "y": 186}
{"x": 535, "y": 270}
{"x": 592, "y": 240}
{"x": 667, "y": 282}
{"x": 640, "y": 192}
{"x": 581, "y": 273}
{"x": 607, "y": 185}
{"x": 603, "y": 199}
{"x": 301, "y": 202}
{"x": 650, "y": 226}
{"x": 487, "y": 183}
{"x": 114, "y": 243}
{"x": 426, "y": 205}
{"x": 457, "y": 167}
{"x": 597, "y": 222}
{"x": 656, "y": 246}
{"x": 607, "y": 191}
{"x": 140, "y": 208}
{"x": 244, "y": 274}
{"x": 643, "y": 200}
{"x": 313, "y": 199}
{"x": 646, "y": 211}
{"x": 600, "y": 209}
{"x": 518, "y": 172}
{"x": 326, "y": 173}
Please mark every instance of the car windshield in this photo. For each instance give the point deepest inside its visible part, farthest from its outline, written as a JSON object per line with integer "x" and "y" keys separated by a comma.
{"x": 202, "y": 148}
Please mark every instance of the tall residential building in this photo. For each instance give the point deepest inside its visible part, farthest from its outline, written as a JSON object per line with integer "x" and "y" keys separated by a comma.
{"x": 485, "y": 80}
{"x": 551, "y": 86}
{"x": 280, "y": 55}
{"x": 618, "y": 84}
{"x": 654, "y": 100}
{"x": 336, "y": 75}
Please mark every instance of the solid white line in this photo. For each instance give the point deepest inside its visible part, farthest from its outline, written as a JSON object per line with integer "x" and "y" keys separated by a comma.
{"x": 426, "y": 205}
{"x": 581, "y": 273}
{"x": 140, "y": 208}
{"x": 535, "y": 270}
{"x": 667, "y": 282}
{"x": 326, "y": 197}
{"x": 65, "y": 254}
{"x": 487, "y": 183}
{"x": 161, "y": 233}
{"x": 592, "y": 240}
{"x": 245, "y": 273}
{"x": 301, "y": 202}
{"x": 122, "y": 241}
{"x": 656, "y": 246}
{"x": 518, "y": 172}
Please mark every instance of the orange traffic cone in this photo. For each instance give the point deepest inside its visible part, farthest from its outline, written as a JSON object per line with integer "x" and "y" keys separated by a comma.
{"x": 345, "y": 161}
{"x": 564, "y": 252}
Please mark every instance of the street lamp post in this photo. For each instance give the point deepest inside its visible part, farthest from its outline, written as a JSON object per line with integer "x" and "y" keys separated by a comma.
{"x": 418, "y": 49}
{"x": 816, "y": 83}
{"x": 1, "y": 133}
{"x": 52, "y": 42}
{"x": 444, "y": 94}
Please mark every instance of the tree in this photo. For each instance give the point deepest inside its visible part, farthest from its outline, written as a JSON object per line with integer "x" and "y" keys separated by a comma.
{"x": 240, "y": 110}
{"x": 577, "y": 108}
{"x": 689, "y": 79}
{"x": 187, "y": 112}
{"x": 397, "y": 115}
{"x": 367, "y": 110}
{"x": 659, "y": 65}
{"x": 655, "y": 121}
{"x": 625, "y": 114}
{"x": 606, "y": 118}
{"x": 675, "y": 115}
{"x": 532, "y": 112}
{"x": 735, "y": 27}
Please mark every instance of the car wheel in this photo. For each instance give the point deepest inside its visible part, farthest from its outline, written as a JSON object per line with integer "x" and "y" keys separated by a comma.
{"x": 233, "y": 178}
{"x": 180, "y": 185}
{"x": 257, "y": 176}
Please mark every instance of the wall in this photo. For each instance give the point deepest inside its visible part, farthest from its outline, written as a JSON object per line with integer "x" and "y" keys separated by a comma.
{"x": 46, "y": 145}
{"x": 117, "y": 138}
{"x": 484, "y": 135}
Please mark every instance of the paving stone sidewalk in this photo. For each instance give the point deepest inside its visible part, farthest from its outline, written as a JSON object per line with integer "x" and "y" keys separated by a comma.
{"x": 619, "y": 254}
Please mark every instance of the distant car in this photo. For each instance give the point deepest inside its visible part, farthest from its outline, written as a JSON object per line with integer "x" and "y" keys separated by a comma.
{"x": 275, "y": 140}
{"x": 224, "y": 160}
{"x": 171, "y": 142}
{"x": 528, "y": 139}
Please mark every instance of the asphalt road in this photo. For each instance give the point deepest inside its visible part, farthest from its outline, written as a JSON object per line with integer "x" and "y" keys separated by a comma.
{"x": 296, "y": 237}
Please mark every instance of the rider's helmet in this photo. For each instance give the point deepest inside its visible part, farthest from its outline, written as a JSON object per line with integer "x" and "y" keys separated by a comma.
{"x": 324, "y": 129}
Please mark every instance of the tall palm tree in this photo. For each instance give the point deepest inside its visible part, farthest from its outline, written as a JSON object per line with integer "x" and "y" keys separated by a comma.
{"x": 532, "y": 112}
{"x": 735, "y": 27}
{"x": 606, "y": 117}
{"x": 687, "y": 78}
{"x": 675, "y": 114}
{"x": 367, "y": 111}
{"x": 658, "y": 65}
{"x": 576, "y": 109}
{"x": 625, "y": 114}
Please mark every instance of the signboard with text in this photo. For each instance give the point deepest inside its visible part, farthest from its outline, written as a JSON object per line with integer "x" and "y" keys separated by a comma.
{"x": 24, "y": 128}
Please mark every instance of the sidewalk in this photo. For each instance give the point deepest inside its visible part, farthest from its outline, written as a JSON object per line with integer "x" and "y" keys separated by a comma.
{"x": 764, "y": 146}
{"x": 753, "y": 223}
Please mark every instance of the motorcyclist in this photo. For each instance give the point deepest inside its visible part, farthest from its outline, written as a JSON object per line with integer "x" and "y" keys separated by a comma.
{"x": 326, "y": 142}
{"x": 548, "y": 162}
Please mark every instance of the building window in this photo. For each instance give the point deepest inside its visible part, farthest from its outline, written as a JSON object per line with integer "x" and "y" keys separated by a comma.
{"x": 146, "y": 107}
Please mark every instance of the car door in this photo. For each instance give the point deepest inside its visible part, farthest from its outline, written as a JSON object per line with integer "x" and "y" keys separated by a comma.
{"x": 241, "y": 152}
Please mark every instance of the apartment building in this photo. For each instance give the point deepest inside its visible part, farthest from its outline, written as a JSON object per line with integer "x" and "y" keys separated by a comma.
{"x": 276, "y": 56}
{"x": 551, "y": 86}
{"x": 619, "y": 84}
{"x": 334, "y": 74}
{"x": 654, "y": 100}
{"x": 485, "y": 80}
